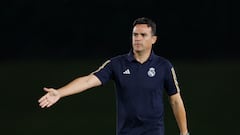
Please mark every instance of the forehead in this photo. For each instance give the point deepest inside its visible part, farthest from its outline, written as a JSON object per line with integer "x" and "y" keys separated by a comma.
{"x": 142, "y": 28}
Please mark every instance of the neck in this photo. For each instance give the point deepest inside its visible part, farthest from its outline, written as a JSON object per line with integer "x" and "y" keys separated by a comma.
{"x": 141, "y": 57}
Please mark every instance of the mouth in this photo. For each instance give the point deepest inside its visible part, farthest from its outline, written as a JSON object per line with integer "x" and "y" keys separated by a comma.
{"x": 137, "y": 44}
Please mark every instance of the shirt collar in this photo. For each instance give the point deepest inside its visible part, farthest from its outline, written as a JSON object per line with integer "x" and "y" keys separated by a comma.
{"x": 131, "y": 56}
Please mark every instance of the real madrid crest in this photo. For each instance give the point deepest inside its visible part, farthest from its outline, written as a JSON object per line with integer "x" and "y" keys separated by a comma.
{"x": 151, "y": 72}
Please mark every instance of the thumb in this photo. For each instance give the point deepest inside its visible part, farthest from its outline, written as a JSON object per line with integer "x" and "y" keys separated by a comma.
{"x": 47, "y": 89}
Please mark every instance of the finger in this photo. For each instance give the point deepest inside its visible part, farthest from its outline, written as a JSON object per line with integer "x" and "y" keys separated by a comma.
{"x": 46, "y": 103}
{"x": 49, "y": 104}
{"x": 47, "y": 89}
{"x": 43, "y": 104}
{"x": 42, "y": 98}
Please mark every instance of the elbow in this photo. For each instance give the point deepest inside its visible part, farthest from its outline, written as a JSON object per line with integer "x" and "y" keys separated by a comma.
{"x": 176, "y": 102}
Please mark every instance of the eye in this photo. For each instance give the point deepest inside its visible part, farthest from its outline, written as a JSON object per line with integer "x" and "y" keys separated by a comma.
{"x": 143, "y": 34}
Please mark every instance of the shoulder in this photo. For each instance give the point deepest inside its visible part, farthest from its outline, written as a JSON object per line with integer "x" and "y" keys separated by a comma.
{"x": 119, "y": 58}
{"x": 115, "y": 61}
{"x": 163, "y": 61}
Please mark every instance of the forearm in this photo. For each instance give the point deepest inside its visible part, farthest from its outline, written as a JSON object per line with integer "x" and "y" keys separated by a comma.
{"x": 79, "y": 85}
{"x": 180, "y": 115}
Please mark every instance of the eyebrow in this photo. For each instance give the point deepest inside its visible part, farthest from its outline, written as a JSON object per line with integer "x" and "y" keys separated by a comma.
{"x": 140, "y": 33}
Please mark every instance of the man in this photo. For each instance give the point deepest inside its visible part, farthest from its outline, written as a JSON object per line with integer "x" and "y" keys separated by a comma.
{"x": 140, "y": 77}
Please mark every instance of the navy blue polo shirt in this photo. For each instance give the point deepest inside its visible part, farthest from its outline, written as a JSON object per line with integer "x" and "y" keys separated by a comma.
{"x": 139, "y": 91}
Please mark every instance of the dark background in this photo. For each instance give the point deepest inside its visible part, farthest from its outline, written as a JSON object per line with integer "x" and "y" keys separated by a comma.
{"x": 49, "y": 43}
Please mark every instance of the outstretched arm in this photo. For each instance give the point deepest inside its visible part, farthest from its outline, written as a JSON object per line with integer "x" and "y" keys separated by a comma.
{"x": 179, "y": 113}
{"x": 76, "y": 86}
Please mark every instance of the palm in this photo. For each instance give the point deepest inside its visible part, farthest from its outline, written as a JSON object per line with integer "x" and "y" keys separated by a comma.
{"x": 50, "y": 98}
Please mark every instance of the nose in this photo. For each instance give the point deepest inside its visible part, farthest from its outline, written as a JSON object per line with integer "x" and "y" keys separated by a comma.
{"x": 138, "y": 37}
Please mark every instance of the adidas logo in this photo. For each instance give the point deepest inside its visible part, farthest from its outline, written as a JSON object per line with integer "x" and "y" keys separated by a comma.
{"x": 126, "y": 72}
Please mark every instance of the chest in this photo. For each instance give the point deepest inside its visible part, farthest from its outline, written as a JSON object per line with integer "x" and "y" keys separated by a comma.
{"x": 146, "y": 76}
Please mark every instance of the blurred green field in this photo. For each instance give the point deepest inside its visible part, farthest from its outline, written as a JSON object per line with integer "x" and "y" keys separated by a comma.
{"x": 209, "y": 89}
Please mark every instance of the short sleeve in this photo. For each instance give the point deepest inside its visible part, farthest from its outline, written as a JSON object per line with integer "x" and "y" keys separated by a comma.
{"x": 170, "y": 82}
{"x": 104, "y": 72}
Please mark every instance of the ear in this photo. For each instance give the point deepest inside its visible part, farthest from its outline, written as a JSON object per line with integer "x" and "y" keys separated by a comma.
{"x": 154, "y": 39}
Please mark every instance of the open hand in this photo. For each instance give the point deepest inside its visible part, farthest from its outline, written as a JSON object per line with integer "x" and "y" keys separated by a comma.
{"x": 50, "y": 98}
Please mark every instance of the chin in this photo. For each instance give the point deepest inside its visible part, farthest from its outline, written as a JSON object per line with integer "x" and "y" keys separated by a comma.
{"x": 137, "y": 50}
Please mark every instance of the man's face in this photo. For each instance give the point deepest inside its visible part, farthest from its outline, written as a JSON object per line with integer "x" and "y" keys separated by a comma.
{"x": 142, "y": 38}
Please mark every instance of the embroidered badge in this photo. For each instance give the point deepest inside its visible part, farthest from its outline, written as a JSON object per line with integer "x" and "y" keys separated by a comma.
{"x": 151, "y": 72}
